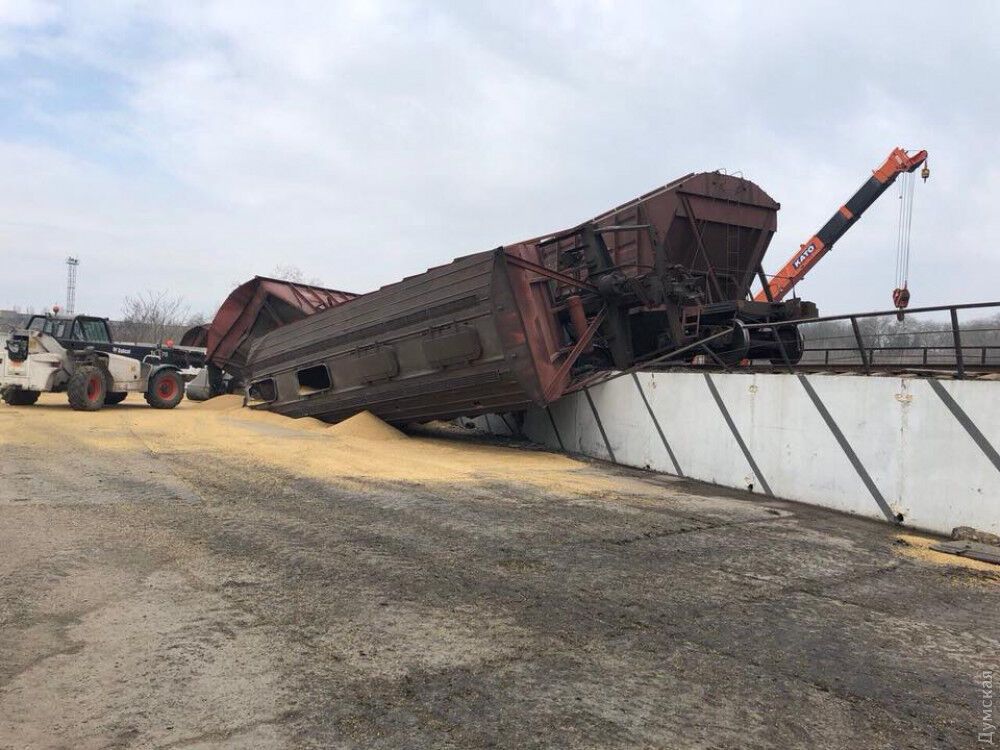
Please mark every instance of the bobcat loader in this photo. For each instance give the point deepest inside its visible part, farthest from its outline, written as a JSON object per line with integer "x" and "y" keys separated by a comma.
{"x": 33, "y": 362}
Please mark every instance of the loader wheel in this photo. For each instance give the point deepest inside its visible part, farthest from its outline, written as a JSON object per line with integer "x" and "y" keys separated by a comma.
{"x": 20, "y": 397}
{"x": 115, "y": 397}
{"x": 165, "y": 391}
{"x": 87, "y": 389}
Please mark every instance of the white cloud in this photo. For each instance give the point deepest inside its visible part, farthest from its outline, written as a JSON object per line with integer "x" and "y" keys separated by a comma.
{"x": 21, "y": 13}
{"x": 365, "y": 141}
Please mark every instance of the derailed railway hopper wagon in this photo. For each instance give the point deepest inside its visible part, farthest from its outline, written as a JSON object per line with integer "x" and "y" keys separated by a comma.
{"x": 667, "y": 274}
{"x": 252, "y": 309}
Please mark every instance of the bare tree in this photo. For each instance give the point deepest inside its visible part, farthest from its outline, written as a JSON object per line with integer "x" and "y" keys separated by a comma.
{"x": 152, "y": 316}
{"x": 295, "y": 275}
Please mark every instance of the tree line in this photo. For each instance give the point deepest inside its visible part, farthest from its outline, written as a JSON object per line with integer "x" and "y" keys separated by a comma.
{"x": 894, "y": 341}
{"x": 156, "y": 316}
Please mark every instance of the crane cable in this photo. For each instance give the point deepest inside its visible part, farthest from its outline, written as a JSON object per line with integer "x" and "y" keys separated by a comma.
{"x": 901, "y": 294}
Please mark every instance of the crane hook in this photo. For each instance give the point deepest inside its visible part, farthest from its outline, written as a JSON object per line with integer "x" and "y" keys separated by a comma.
{"x": 926, "y": 171}
{"x": 900, "y": 298}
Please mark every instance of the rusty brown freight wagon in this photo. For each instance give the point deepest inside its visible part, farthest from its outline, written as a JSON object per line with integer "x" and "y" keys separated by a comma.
{"x": 252, "y": 309}
{"x": 504, "y": 329}
{"x": 258, "y": 306}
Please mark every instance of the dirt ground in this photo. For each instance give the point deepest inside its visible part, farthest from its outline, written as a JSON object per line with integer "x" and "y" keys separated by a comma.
{"x": 209, "y": 578}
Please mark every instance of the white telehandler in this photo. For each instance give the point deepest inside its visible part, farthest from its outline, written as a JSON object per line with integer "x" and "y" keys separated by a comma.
{"x": 33, "y": 361}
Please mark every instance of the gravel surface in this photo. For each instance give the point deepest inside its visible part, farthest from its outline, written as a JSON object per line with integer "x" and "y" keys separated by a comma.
{"x": 152, "y": 595}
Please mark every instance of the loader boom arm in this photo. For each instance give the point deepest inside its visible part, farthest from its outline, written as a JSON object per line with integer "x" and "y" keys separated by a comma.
{"x": 820, "y": 243}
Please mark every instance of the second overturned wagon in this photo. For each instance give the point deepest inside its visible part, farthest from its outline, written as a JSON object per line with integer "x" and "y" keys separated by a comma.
{"x": 431, "y": 346}
{"x": 521, "y": 325}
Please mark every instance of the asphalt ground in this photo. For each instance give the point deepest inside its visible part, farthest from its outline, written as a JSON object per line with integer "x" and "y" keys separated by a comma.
{"x": 199, "y": 579}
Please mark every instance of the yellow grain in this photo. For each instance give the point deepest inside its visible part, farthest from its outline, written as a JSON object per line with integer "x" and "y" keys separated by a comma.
{"x": 919, "y": 548}
{"x": 360, "y": 448}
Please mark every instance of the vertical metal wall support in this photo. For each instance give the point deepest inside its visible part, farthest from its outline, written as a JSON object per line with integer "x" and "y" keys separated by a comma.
{"x": 736, "y": 434}
{"x": 959, "y": 362}
{"x": 861, "y": 346}
{"x": 656, "y": 424}
{"x": 600, "y": 425}
{"x": 555, "y": 429}
{"x": 852, "y": 457}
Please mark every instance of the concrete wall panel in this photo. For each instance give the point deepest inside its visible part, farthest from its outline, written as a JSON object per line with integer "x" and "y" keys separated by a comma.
{"x": 875, "y": 446}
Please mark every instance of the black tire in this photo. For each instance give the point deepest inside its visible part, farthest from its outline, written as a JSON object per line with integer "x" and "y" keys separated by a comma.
{"x": 87, "y": 388}
{"x": 115, "y": 397}
{"x": 20, "y": 397}
{"x": 165, "y": 390}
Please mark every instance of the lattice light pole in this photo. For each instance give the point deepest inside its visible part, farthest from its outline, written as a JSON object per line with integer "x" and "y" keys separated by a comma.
{"x": 71, "y": 264}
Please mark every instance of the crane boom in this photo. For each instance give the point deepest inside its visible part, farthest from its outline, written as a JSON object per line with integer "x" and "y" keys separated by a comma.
{"x": 820, "y": 243}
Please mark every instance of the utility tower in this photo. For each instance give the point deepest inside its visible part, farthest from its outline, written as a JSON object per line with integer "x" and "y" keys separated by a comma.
{"x": 71, "y": 264}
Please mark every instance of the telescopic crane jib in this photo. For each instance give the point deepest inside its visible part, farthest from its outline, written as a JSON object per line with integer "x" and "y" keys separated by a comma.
{"x": 899, "y": 162}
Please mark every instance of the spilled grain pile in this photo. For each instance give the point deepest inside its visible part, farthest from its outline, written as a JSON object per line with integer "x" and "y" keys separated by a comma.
{"x": 360, "y": 449}
{"x": 222, "y": 403}
{"x": 365, "y": 426}
{"x": 232, "y": 406}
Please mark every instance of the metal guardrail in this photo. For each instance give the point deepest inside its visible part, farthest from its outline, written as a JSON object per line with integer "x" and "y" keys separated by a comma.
{"x": 968, "y": 355}
{"x": 958, "y": 365}
{"x": 955, "y": 357}
{"x": 931, "y": 357}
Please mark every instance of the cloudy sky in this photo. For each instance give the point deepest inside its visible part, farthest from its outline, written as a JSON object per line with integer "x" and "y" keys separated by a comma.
{"x": 187, "y": 146}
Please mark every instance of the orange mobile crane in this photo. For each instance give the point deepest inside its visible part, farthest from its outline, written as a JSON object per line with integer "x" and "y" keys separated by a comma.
{"x": 899, "y": 162}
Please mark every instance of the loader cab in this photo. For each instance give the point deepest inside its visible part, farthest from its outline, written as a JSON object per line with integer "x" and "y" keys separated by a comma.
{"x": 77, "y": 332}
{"x": 90, "y": 330}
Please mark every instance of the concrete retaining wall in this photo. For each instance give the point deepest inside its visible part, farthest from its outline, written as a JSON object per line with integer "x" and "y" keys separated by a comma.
{"x": 923, "y": 452}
